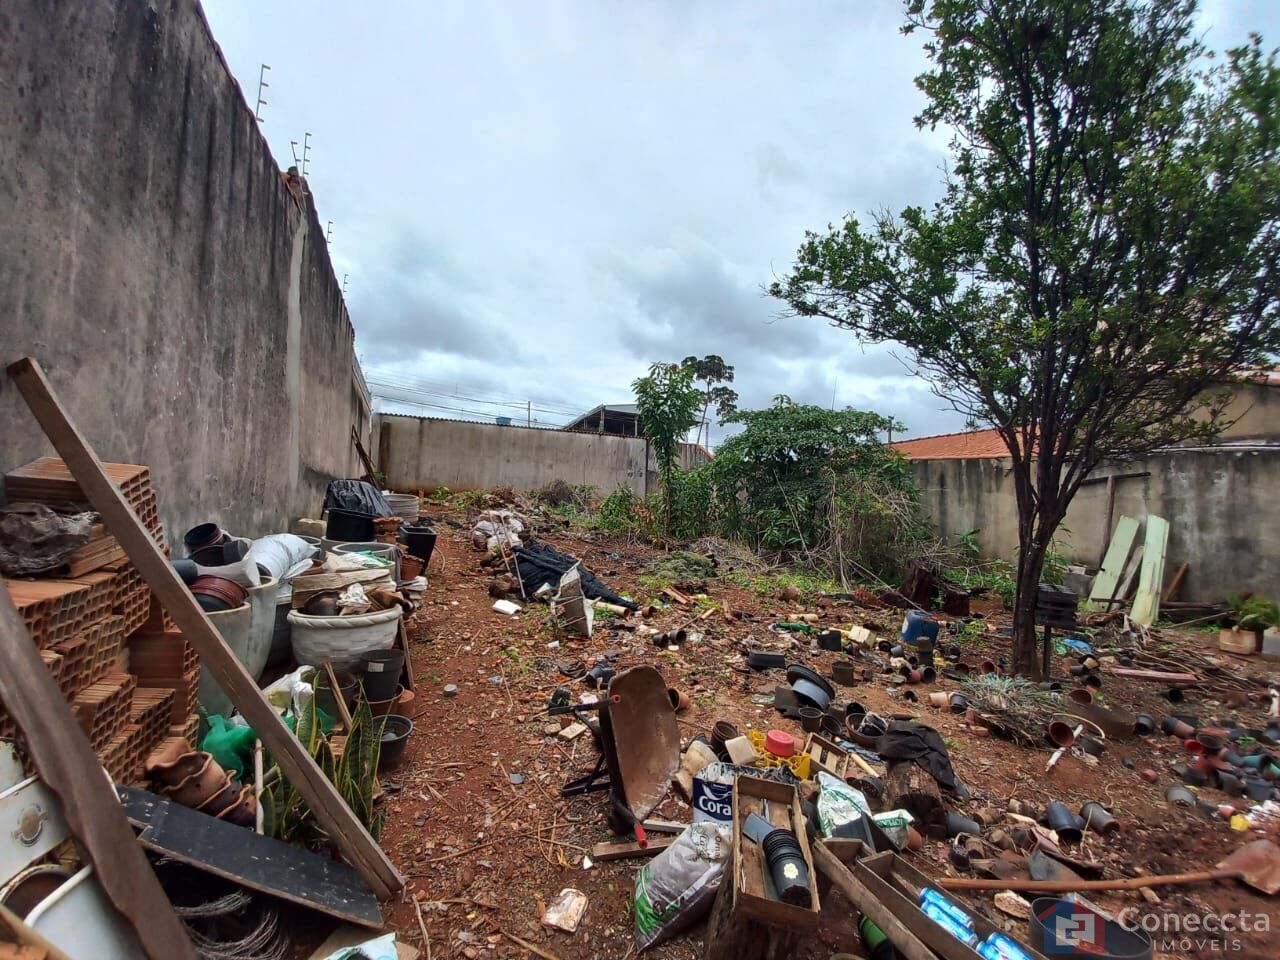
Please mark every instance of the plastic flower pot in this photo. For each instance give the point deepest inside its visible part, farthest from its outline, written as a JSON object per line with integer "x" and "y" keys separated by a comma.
{"x": 216, "y": 594}
{"x": 381, "y": 672}
{"x": 958, "y": 823}
{"x": 396, "y": 730}
{"x": 959, "y": 702}
{"x": 203, "y": 535}
{"x": 420, "y": 541}
{"x": 988, "y": 666}
{"x": 1180, "y": 796}
{"x": 1176, "y": 728}
{"x": 380, "y": 708}
{"x": 1143, "y": 724}
{"x": 763, "y": 660}
{"x": 831, "y": 728}
{"x": 1063, "y": 822}
{"x": 939, "y": 699}
{"x": 348, "y": 526}
{"x": 1230, "y": 784}
{"x": 787, "y": 867}
{"x": 348, "y": 687}
{"x": 1210, "y": 742}
{"x": 780, "y": 743}
{"x": 1258, "y": 790}
{"x": 1098, "y": 819}
{"x": 928, "y": 674}
{"x": 721, "y": 732}
{"x": 842, "y": 673}
{"x": 811, "y": 719}
{"x": 1050, "y": 685}
{"x": 1060, "y": 733}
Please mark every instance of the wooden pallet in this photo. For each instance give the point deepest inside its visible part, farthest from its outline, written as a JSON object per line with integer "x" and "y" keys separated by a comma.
{"x": 102, "y": 708}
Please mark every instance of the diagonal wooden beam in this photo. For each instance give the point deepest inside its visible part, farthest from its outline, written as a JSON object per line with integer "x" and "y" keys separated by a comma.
{"x": 337, "y": 819}
{"x": 69, "y": 768}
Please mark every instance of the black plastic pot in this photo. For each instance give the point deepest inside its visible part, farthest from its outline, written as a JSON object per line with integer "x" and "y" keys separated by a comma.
{"x": 831, "y": 640}
{"x": 420, "y": 541}
{"x": 348, "y": 687}
{"x": 381, "y": 673}
{"x": 188, "y": 570}
{"x": 347, "y": 526}
{"x": 810, "y": 719}
{"x": 1258, "y": 790}
{"x": 787, "y": 867}
{"x": 221, "y": 554}
{"x": 395, "y": 737}
{"x": 1230, "y": 784}
{"x": 598, "y": 677}
{"x": 1061, "y": 820}
{"x": 958, "y": 823}
{"x": 722, "y": 731}
{"x": 1143, "y": 724}
{"x": 203, "y": 535}
{"x": 786, "y": 702}
{"x": 763, "y": 660}
{"x": 1098, "y": 819}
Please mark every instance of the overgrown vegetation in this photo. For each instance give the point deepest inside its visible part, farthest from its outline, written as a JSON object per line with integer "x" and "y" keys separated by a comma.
{"x": 668, "y": 403}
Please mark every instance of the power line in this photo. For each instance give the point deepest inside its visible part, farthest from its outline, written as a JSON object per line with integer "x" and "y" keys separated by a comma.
{"x": 417, "y": 388}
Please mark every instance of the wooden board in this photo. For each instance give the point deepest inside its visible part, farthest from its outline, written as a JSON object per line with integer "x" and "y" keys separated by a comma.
{"x": 69, "y": 769}
{"x": 1108, "y": 578}
{"x": 343, "y": 827}
{"x": 242, "y": 856}
{"x": 622, "y": 851}
{"x": 1146, "y": 603}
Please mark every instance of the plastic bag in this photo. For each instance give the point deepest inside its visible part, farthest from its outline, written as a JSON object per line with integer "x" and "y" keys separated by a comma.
{"x": 356, "y": 496}
{"x": 894, "y": 823}
{"x": 838, "y": 803}
{"x": 283, "y": 555}
{"x": 677, "y": 887}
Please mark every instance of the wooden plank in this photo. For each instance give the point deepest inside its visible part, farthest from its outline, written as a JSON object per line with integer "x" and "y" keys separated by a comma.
{"x": 344, "y": 829}
{"x": 1146, "y": 603}
{"x": 1104, "y": 584}
{"x": 69, "y": 769}
{"x": 622, "y": 851}
{"x": 335, "y": 688}
{"x": 1154, "y": 676}
{"x": 1174, "y": 589}
{"x": 24, "y": 934}
{"x": 242, "y": 856}
{"x": 402, "y": 641}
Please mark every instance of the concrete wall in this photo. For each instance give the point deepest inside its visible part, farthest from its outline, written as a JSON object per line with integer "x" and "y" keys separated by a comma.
{"x": 1220, "y": 502}
{"x": 420, "y": 452}
{"x": 157, "y": 265}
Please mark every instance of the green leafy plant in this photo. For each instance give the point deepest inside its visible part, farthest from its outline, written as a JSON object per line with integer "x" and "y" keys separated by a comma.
{"x": 353, "y": 773}
{"x": 1254, "y": 613}
{"x": 1102, "y": 261}
{"x": 713, "y": 373}
{"x": 668, "y": 403}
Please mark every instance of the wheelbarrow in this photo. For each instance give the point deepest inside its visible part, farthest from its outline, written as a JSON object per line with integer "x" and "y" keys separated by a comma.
{"x": 639, "y": 747}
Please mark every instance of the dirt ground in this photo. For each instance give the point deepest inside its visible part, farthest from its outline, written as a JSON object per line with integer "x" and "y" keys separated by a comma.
{"x": 476, "y": 824}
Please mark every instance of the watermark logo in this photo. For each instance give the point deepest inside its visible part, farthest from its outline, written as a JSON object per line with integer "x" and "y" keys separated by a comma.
{"x": 1073, "y": 929}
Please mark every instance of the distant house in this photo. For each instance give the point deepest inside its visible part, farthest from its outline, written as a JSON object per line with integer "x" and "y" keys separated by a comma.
{"x": 621, "y": 419}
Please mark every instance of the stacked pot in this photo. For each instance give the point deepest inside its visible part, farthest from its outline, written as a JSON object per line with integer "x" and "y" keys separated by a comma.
{"x": 198, "y": 781}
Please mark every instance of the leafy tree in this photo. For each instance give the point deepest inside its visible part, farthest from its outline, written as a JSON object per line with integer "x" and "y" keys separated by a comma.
{"x": 712, "y": 372}
{"x": 796, "y": 471}
{"x": 1106, "y": 250}
{"x": 668, "y": 403}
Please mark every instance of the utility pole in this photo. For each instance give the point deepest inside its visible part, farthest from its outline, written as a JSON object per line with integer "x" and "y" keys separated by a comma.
{"x": 528, "y": 415}
{"x": 306, "y": 152}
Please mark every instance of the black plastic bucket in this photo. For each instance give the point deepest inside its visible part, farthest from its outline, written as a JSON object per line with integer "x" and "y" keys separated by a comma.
{"x": 347, "y": 526}
{"x": 421, "y": 542}
{"x": 395, "y": 737}
{"x": 381, "y": 673}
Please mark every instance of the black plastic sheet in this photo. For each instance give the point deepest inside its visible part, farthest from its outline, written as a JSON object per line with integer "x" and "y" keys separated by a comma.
{"x": 538, "y": 563}
{"x": 356, "y": 496}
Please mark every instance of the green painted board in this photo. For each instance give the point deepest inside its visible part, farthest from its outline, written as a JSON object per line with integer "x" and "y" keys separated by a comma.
{"x": 1104, "y": 584}
{"x": 1146, "y": 602}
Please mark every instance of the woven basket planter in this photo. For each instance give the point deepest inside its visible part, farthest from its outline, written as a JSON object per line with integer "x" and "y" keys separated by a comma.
{"x": 341, "y": 640}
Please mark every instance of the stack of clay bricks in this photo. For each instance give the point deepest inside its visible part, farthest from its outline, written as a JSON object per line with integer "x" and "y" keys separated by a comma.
{"x": 130, "y": 677}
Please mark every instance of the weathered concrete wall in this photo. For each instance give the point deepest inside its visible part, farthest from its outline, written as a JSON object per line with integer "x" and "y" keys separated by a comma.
{"x": 1221, "y": 505}
{"x": 156, "y": 264}
{"x": 420, "y": 452}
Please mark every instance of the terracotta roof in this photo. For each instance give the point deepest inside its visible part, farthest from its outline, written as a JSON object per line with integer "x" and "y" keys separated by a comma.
{"x": 973, "y": 445}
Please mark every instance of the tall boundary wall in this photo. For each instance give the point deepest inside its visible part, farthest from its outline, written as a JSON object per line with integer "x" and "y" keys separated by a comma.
{"x": 427, "y": 453}
{"x": 158, "y": 265}
{"x": 1221, "y": 504}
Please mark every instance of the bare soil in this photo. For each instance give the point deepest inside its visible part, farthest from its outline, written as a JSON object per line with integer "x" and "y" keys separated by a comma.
{"x": 484, "y": 854}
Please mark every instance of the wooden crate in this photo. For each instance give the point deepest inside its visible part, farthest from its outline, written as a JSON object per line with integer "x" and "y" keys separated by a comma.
{"x": 102, "y": 708}
{"x": 827, "y": 756}
{"x": 750, "y": 894}
{"x": 888, "y": 875}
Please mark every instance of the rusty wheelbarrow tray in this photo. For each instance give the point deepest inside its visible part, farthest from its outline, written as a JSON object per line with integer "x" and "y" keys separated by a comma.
{"x": 639, "y": 747}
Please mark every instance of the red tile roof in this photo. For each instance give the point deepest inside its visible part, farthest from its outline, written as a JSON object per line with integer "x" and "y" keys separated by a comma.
{"x": 973, "y": 445}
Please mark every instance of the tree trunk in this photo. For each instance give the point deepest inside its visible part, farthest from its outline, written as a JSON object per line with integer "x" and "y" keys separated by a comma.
{"x": 1026, "y": 659}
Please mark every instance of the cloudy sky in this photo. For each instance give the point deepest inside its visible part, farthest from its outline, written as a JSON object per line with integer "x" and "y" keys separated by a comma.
{"x": 535, "y": 200}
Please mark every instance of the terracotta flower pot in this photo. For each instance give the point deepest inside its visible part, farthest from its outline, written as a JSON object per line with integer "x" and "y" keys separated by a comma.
{"x": 224, "y": 798}
{"x": 174, "y": 761}
{"x": 244, "y": 811}
{"x": 200, "y": 785}
{"x": 679, "y": 699}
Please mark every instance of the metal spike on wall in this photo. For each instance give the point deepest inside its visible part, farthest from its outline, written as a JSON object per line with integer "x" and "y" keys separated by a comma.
{"x": 262, "y": 85}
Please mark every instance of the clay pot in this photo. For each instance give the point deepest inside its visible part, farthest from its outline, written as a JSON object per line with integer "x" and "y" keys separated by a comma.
{"x": 1060, "y": 734}
{"x": 988, "y": 666}
{"x": 173, "y": 762}
{"x": 244, "y": 811}
{"x": 227, "y": 795}
{"x": 679, "y": 699}
{"x": 200, "y": 785}
{"x": 217, "y": 593}
{"x": 410, "y": 566}
{"x": 1176, "y": 728}
{"x": 380, "y": 708}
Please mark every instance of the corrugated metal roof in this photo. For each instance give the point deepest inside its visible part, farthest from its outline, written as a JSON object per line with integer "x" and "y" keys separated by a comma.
{"x": 971, "y": 445}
